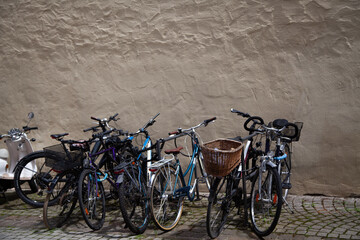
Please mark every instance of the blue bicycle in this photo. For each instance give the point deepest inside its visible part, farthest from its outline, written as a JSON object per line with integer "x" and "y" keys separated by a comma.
{"x": 169, "y": 187}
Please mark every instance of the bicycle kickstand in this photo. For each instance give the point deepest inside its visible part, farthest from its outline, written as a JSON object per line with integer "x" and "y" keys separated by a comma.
{"x": 289, "y": 207}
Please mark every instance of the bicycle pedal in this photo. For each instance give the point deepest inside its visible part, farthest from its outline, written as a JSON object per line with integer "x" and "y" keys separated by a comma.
{"x": 286, "y": 185}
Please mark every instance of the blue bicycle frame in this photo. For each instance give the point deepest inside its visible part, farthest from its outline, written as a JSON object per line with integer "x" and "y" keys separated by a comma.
{"x": 187, "y": 190}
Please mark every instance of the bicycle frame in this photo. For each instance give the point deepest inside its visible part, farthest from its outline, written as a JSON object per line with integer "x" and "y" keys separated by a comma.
{"x": 92, "y": 156}
{"x": 187, "y": 190}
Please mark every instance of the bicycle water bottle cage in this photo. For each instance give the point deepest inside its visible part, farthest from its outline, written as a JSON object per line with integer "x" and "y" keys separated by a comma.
{"x": 280, "y": 123}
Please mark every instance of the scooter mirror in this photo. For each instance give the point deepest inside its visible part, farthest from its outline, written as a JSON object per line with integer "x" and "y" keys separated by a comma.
{"x": 31, "y": 115}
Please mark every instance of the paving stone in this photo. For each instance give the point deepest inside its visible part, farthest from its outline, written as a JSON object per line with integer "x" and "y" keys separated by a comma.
{"x": 322, "y": 234}
{"x": 314, "y": 217}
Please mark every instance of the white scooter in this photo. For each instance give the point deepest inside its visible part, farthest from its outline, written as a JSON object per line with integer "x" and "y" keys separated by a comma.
{"x": 18, "y": 146}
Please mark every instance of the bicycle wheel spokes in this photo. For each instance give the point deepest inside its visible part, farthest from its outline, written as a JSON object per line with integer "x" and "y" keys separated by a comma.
{"x": 57, "y": 213}
{"x": 91, "y": 199}
{"x": 266, "y": 202}
{"x": 166, "y": 208}
{"x": 134, "y": 203}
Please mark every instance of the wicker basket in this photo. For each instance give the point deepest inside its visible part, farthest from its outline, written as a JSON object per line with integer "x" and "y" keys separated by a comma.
{"x": 60, "y": 161}
{"x": 221, "y": 156}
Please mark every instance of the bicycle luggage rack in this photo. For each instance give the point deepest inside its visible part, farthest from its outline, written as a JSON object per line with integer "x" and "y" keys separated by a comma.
{"x": 162, "y": 162}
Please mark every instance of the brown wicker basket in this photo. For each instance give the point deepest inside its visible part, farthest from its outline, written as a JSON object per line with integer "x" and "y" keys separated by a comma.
{"x": 221, "y": 156}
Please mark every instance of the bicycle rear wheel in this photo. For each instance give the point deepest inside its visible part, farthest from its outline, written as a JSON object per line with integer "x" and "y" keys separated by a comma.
{"x": 56, "y": 214}
{"x": 166, "y": 207}
{"x": 32, "y": 178}
{"x": 134, "y": 204}
{"x": 266, "y": 202}
{"x": 91, "y": 199}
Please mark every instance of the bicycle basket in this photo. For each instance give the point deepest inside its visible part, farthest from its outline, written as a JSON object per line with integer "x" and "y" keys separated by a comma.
{"x": 290, "y": 131}
{"x": 60, "y": 161}
{"x": 221, "y": 156}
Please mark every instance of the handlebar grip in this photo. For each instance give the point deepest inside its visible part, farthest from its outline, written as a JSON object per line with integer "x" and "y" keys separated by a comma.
{"x": 174, "y": 133}
{"x": 240, "y": 113}
{"x": 207, "y": 121}
{"x": 96, "y": 119}
{"x": 113, "y": 117}
{"x": 26, "y": 128}
{"x": 91, "y": 129}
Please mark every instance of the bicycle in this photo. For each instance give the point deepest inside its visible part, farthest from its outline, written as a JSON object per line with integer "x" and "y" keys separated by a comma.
{"x": 134, "y": 177}
{"x": 69, "y": 166}
{"x": 257, "y": 168}
{"x": 168, "y": 188}
{"x": 285, "y": 134}
{"x": 91, "y": 193}
{"x": 42, "y": 175}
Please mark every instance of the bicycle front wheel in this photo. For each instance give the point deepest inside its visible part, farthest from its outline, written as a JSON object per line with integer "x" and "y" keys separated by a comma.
{"x": 91, "y": 199}
{"x": 266, "y": 201}
{"x": 218, "y": 206}
{"x": 32, "y": 178}
{"x": 56, "y": 214}
{"x": 166, "y": 203}
{"x": 134, "y": 204}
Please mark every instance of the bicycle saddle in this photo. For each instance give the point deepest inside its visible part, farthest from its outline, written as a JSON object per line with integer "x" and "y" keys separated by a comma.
{"x": 174, "y": 151}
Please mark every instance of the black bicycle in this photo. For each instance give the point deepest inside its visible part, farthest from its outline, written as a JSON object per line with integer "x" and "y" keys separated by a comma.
{"x": 258, "y": 170}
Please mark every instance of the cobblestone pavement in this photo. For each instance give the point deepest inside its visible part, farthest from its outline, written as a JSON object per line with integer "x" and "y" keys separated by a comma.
{"x": 313, "y": 218}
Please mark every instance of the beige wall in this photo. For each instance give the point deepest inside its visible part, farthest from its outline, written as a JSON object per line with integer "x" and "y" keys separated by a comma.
{"x": 191, "y": 60}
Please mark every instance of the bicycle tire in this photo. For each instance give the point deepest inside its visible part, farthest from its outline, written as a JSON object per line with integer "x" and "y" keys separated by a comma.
{"x": 56, "y": 214}
{"x": 134, "y": 203}
{"x": 166, "y": 209}
{"x": 218, "y": 207}
{"x": 33, "y": 192}
{"x": 91, "y": 197}
{"x": 285, "y": 172}
{"x": 265, "y": 212}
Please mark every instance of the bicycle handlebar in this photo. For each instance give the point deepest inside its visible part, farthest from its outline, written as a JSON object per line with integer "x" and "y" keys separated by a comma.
{"x": 149, "y": 123}
{"x": 296, "y": 130}
{"x": 256, "y": 120}
{"x": 102, "y": 123}
{"x": 205, "y": 123}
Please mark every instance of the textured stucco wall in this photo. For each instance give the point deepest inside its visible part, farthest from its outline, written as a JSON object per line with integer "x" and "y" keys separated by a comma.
{"x": 190, "y": 60}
